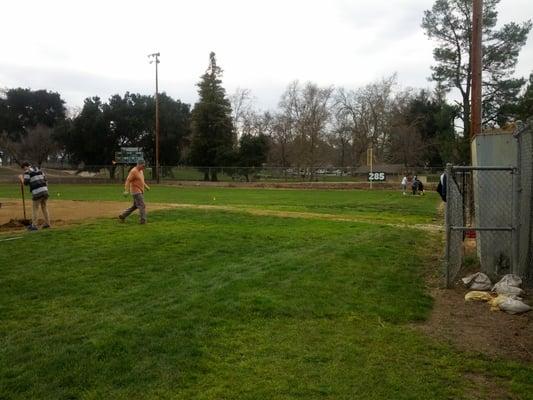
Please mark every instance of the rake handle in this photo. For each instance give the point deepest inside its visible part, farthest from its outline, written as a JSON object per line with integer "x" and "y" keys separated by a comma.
{"x": 23, "y": 200}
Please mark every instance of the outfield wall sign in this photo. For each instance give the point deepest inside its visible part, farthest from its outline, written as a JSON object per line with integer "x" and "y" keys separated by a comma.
{"x": 129, "y": 155}
{"x": 377, "y": 177}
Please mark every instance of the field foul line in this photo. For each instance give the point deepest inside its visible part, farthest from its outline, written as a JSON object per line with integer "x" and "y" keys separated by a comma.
{"x": 11, "y": 238}
{"x": 306, "y": 215}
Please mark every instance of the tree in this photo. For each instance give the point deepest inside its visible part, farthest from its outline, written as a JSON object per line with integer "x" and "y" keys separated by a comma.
{"x": 341, "y": 137}
{"x": 242, "y": 106}
{"x": 130, "y": 118}
{"x": 282, "y": 136}
{"x": 25, "y": 116}
{"x": 24, "y": 109}
{"x": 213, "y": 135}
{"x": 62, "y": 136}
{"x": 36, "y": 145}
{"x": 433, "y": 118}
{"x": 366, "y": 112}
{"x": 309, "y": 110}
{"x": 91, "y": 140}
{"x": 449, "y": 23}
{"x": 252, "y": 154}
{"x": 524, "y": 107}
{"x": 174, "y": 129}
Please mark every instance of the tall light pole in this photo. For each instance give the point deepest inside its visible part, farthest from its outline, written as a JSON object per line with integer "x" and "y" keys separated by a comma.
{"x": 477, "y": 27}
{"x": 155, "y": 59}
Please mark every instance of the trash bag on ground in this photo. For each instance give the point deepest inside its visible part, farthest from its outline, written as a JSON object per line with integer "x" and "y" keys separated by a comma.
{"x": 510, "y": 303}
{"x": 504, "y": 288}
{"x": 477, "y": 281}
{"x": 513, "y": 306}
{"x": 496, "y": 301}
{"x": 476, "y": 295}
{"x": 511, "y": 280}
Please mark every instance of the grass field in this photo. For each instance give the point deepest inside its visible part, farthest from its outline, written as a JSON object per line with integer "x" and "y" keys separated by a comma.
{"x": 212, "y": 304}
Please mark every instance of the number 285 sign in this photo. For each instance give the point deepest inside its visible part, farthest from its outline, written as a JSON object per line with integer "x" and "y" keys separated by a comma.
{"x": 376, "y": 176}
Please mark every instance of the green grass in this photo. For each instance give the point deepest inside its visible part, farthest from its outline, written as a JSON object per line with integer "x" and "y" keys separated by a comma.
{"x": 220, "y": 305}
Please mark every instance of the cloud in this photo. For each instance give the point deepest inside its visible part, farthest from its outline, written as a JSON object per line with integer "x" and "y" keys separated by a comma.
{"x": 99, "y": 48}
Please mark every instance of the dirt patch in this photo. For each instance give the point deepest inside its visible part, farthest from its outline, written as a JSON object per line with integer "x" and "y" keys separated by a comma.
{"x": 483, "y": 387}
{"x": 64, "y": 212}
{"x": 471, "y": 326}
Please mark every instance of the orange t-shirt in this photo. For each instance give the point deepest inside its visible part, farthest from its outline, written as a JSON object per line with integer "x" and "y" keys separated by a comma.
{"x": 135, "y": 181}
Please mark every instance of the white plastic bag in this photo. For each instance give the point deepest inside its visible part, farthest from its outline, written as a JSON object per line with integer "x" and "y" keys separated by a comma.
{"x": 504, "y": 288}
{"x": 513, "y": 306}
{"x": 478, "y": 281}
{"x": 511, "y": 280}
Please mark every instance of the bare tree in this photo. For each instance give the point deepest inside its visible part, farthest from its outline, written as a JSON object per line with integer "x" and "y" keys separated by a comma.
{"x": 309, "y": 110}
{"x": 36, "y": 145}
{"x": 366, "y": 112}
{"x": 282, "y": 137}
{"x": 242, "y": 109}
{"x": 340, "y": 138}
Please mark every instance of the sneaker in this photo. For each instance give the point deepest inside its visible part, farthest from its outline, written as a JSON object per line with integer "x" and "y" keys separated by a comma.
{"x": 121, "y": 218}
{"x": 32, "y": 228}
{"x": 46, "y": 226}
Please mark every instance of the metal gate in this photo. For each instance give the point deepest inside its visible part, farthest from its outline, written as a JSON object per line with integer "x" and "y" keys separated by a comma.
{"x": 493, "y": 218}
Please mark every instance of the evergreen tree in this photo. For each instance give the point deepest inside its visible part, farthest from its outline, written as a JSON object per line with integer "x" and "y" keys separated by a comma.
{"x": 449, "y": 23}
{"x": 524, "y": 107}
{"x": 213, "y": 136}
{"x": 252, "y": 154}
{"x": 434, "y": 119}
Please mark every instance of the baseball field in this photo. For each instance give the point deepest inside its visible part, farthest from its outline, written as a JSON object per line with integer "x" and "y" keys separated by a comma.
{"x": 234, "y": 294}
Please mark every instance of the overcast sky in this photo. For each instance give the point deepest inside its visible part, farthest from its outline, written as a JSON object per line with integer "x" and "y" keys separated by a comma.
{"x": 88, "y": 48}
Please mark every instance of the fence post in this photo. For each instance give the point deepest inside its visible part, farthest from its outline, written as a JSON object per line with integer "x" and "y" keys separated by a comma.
{"x": 515, "y": 233}
{"x": 447, "y": 216}
{"x": 517, "y": 221}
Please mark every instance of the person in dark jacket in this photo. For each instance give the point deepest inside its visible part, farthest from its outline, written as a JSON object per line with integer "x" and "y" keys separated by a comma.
{"x": 441, "y": 187}
{"x": 417, "y": 186}
{"x": 36, "y": 180}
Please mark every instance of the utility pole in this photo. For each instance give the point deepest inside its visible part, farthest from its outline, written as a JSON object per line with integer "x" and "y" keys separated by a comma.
{"x": 477, "y": 30}
{"x": 155, "y": 59}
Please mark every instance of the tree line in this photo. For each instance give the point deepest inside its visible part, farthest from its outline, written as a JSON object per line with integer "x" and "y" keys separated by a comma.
{"x": 313, "y": 126}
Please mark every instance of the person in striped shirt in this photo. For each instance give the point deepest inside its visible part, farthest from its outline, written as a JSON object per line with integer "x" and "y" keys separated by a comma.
{"x": 36, "y": 180}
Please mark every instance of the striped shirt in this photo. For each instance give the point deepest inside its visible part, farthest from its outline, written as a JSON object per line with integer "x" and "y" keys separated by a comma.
{"x": 35, "y": 178}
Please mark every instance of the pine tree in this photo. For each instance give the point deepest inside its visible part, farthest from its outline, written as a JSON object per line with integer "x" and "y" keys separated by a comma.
{"x": 213, "y": 137}
{"x": 449, "y": 23}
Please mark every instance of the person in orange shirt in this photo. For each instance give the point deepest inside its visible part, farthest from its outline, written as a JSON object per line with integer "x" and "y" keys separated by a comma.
{"x": 135, "y": 186}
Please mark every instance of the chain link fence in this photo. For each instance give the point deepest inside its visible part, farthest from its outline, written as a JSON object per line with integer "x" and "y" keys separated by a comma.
{"x": 63, "y": 173}
{"x": 494, "y": 205}
{"x": 524, "y": 136}
{"x": 490, "y": 218}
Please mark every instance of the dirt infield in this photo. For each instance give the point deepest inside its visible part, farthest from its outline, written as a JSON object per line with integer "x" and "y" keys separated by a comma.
{"x": 64, "y": 212}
